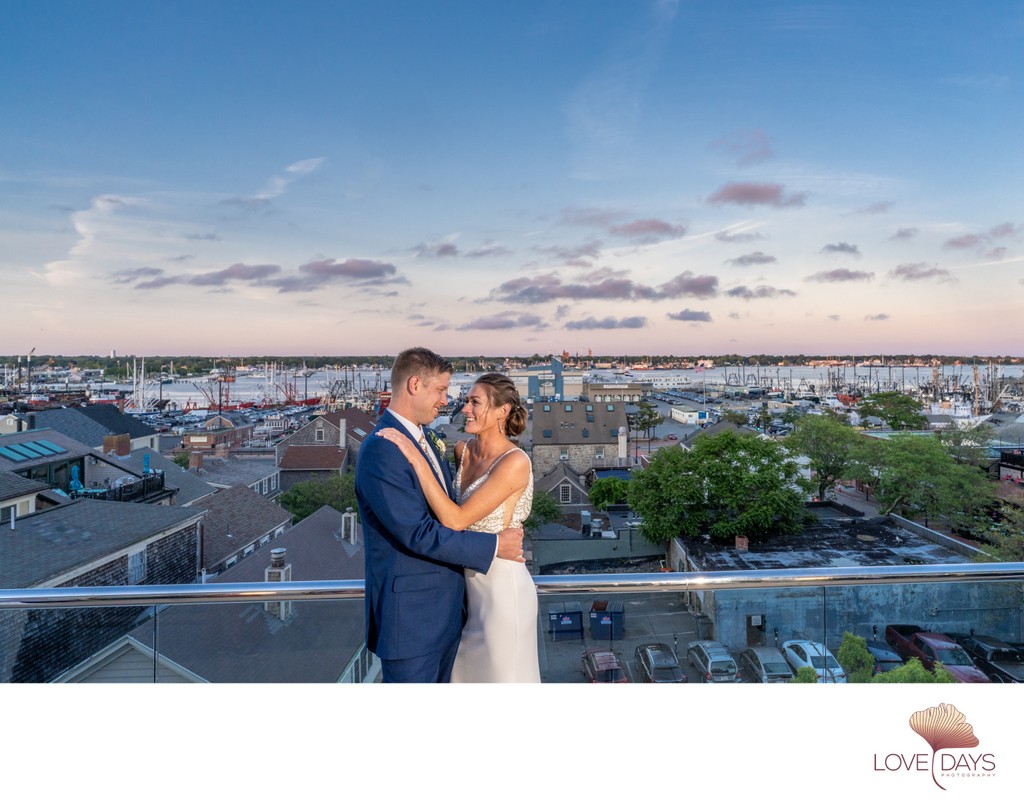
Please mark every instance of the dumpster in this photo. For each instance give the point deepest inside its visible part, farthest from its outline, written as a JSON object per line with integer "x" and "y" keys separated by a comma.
{"x": 606, "y": 620}
{"x": 565, "y": 620}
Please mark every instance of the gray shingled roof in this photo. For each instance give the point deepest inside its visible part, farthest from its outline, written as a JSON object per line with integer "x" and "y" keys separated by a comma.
{"x": 190, "y": 488}
{"x": 118, "y": 422}
{"x": 12, "y": 485}
{"x": 48, "y": 543}
{"x": 235, "y": 471}
{"x": 243, "y": 643}
{"x": 72, "y": 422}
{"x": 237, "y": 517}
{"x": 311, "y": 457}
{"x": 75, "y": 449}
{"x": 577, "y": 422}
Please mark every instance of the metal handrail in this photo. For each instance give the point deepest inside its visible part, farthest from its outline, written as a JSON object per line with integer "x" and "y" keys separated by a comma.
{"x": 621, "y": 584}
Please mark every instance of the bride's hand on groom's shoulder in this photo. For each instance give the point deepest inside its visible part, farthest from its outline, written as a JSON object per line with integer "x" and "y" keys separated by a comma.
{"x": 400, "y": 440}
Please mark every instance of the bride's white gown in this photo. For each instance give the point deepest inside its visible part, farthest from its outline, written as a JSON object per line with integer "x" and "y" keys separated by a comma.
{"x": 499, "y": 640}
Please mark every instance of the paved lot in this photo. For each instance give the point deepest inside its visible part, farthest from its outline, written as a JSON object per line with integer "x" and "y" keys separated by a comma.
{"x": 654, "y": 617}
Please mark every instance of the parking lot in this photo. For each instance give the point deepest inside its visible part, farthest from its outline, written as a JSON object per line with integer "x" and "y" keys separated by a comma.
{"x": 648, "y": 618}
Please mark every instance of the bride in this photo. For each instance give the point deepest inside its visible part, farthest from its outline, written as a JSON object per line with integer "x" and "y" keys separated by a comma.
{"x": 494, "y": 489}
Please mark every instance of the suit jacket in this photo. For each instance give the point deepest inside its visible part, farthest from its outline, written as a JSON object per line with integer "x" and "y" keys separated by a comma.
{"x": 415, "y": 588}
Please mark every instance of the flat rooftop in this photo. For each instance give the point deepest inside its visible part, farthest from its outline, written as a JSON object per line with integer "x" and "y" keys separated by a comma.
{"x": 827, "y": 543}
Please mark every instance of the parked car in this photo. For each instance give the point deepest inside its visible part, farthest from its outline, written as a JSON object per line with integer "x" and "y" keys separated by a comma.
{"x": 603, "y": 666}
{"x": 764, "y": 664}
{"x": 1001, "y": 661}
{"x": 811, "y": 654}
{"x": 931, "y": 647}
{"x": 885, "y": 658}
{"x": 712, "y": 660}
{"x": 657, "y": 663}
{"x": 672, "y": 437}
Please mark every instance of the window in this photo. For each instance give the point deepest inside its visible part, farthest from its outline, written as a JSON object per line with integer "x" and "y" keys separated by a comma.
{"x": 586, "y": 433}
{"x": 319, "y": 435}
{"x": 565, "y": 493}
{"x": 264, "y": 541}
{"x": 249, "y": 550}
{"x": 547, "y": 433}
{"x": 611, "y": 408}
{"x": 232, "y": 561}
{"x": 599, "y": 454}
{"x": 568, "y": 408}
{"x": 590, "y": 417}
{"x": 590, "y": 409}
{"x": 266, "y": 485}
{"x": 564, "y": 454}
{"x": 137, "y": 567}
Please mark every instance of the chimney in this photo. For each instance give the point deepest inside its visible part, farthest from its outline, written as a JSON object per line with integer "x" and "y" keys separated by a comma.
{"x": 195, "y": 460}
{"x": 350, "y": 526}
{"x": 342, "y": 433}
{"x": 221, "y": 449}
{"x": 120, "y": 445}
{"x": 742, "y": 543}
{"x": 278, "y": 571}
{"x": 623, "y": 452}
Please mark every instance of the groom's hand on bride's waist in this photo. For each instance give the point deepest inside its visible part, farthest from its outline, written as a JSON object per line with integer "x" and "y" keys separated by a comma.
{"x": 510, "y": 545}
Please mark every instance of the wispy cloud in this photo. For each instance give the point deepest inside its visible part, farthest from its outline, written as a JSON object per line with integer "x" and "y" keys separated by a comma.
{"x": 618, "y": 223}
{"x": 751, "y": 194}
{"x": 748, "y": 148}
{"x": 841, "y": 247}
{"x": 839, "y": 275}
{"x": 880, "y": 316}
{"x": 276, "y": 185}
{"x": 751, "y": 259}
{"x": 308, "y": 277}
{"x": 903, "y": 235}
{"x": 607, "y": 323}
{"x": 503, "y": 321}
{"x": 983, "y": 243}
{"x": 550, "y": 287}
{"x": 579, "y": 256}
{"x": 920, "y": 272}
{"x": 445, "y": 248}
{"x": 738, "y": 237}
{"x": 873, "y": 209}
{"x": 762, "y": 291}
{"x": 691, "y": 315}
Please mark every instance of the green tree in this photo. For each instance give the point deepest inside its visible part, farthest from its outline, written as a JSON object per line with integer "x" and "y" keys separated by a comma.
{"x": 1005, "y": 538}
{"x": 728, "y": 484}
{"x": 545, "y": 509}
{"x": 337, "y": 491}
{"x": 968, "y": 446}
{"x": 913, "y": 671}
{"x": 181, "y": 459}
{"x": 646, "y": 418}
{"x": 830, "y": 447}
{"x": 856, "y": 660}
{"x": 735, "y": 416}
{"x": 805, "y": 674}
{"x": 899, "y": 411}
{"x": 915, "y": 476}
{"x": 607, "y": 492}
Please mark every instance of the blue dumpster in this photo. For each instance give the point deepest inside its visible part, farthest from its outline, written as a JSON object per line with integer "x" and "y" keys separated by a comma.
{"x": 565, "y": 620}
{"x": 607, "y": 620}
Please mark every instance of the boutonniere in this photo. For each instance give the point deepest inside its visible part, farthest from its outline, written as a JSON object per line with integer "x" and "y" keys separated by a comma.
{"x": 435, "y": 439}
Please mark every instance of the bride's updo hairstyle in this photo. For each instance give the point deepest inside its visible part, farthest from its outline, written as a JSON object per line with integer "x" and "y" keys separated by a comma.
{"x": 502, "y": 391}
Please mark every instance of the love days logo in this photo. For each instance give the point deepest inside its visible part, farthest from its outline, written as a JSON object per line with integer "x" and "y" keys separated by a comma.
{"x": 945, "y": 729}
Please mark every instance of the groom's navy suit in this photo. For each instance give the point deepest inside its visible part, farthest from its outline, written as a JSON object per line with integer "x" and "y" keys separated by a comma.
{"x": 414, "y": 565}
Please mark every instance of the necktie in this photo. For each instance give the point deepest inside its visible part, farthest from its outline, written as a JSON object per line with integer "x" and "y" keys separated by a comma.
{"x": 433, "y": 458}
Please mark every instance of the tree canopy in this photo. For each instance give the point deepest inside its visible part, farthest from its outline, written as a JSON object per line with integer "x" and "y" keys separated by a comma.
{"x": 607, "y": 492}
{"x": 337, "y": 491}
{"x": 729, "y": 484}
{"x": 899, "y": 411}
{"x": 917, "y": 477}
{"x": 544, "y": 510}
{"x": 856, "y": 660}
{"x": 830, "y": 447}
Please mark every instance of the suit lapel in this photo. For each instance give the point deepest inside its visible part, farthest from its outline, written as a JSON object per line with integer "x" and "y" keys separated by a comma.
{"x": 391, "y": 421}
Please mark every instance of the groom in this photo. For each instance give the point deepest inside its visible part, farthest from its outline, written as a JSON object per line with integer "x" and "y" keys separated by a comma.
{"x": 414, "y": 565}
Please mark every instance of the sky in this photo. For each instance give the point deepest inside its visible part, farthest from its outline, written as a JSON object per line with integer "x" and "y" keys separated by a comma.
{"x": 609, "y": 176}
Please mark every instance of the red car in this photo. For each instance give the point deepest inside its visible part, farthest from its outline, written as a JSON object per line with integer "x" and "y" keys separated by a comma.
{"x": 931, "y": 647}
{"x": 603, "y": 666}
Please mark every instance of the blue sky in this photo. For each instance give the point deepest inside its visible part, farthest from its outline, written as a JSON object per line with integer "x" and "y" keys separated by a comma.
{"x": 622, "y": 177}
